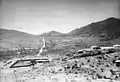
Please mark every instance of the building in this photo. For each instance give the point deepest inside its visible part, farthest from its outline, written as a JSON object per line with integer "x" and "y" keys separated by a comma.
{"x": 116, "y": 46}
{"x": 117, "y": 63}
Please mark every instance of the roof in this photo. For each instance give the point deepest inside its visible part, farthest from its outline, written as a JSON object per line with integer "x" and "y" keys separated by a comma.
{"x": 88, "y": 49}
{"x": 94, "y": 46}
{"x": 117, "y": 61}
{"x": 116, "y": 45}
{"x": 79, "y": 50}
{"x": 106, "y": 47}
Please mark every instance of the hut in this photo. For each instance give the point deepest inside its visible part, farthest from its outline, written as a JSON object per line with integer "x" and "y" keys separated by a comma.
{"x": 116, "y": 46}
{"x": 117, "y": 63}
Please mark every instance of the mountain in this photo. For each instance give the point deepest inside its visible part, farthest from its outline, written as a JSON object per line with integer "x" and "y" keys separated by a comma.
{"x": 14, "y": 33}
{"x": 51, "y": 34}
{"x": 10, "y": 39}
{"x": 109, "y": 28}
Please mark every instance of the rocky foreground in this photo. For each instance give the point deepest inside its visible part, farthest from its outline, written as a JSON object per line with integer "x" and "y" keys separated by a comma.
{"x": 99, "y": 68}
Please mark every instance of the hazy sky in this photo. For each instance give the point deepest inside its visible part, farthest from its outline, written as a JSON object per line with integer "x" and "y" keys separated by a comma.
{"x": 38, "y": 16}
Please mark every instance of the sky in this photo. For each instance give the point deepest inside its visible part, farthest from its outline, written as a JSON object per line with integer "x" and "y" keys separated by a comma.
{"x": 39, "y": 16}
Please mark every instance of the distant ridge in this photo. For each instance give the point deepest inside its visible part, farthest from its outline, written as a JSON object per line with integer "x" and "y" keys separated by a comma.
{"x": 51, "y": 34}
{"x": 10, "y": 39}
{"x": 13, "y": 33}
{"x": 109, "y": 27}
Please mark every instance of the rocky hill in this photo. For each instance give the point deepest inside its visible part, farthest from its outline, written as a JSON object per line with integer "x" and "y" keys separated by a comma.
{"x": 108, "y": 28}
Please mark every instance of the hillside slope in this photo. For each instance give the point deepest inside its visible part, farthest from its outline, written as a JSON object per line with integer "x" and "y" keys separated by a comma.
{"x": 107, "y": 28}
{"x": 10, "y": 39}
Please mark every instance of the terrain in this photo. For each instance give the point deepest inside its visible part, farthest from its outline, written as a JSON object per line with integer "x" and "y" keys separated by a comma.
{"x": 98, "y": 68}
{"x": 101, "y": 33}
{"x": 108, "y": 28}
{"x": 11, "y": 39}
{"x": 66, "y": 66}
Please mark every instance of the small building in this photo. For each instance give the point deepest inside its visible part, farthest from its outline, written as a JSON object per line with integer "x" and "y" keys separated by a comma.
{"x": 80, "y": 51}
{"x": 117, "y": 63}
{"x": 95, "y": 47}
{"x": 116, "y": 46}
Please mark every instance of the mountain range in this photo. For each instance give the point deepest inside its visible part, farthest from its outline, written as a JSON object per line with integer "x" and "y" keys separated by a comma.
{"x": 105, "y": 30}
{"x": 108, "y": 28}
